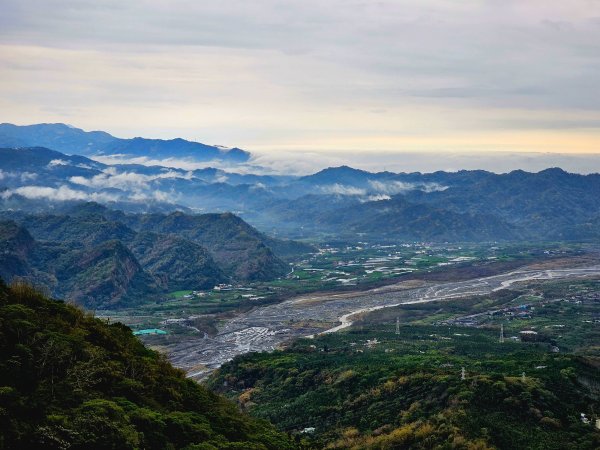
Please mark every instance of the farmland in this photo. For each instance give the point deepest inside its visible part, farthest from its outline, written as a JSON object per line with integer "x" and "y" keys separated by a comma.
{"x": 336, "y": 267}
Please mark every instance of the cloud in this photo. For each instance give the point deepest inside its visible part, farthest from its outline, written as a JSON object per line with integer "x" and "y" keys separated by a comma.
{"x": 28, "y": 176}
{"x": 156, "y": 195}
{"x": 62, "y": 162}
{"x": 112, "y": 178}
{"x": 340, "y": 189}
{"x": 375, "y": 198}
{"x": 185, "y": 164}
{"x": 22, "y": 176}
{"x": 305, "y": 162}
{"x": 337, "y": 74}
{"x": 62, "y": 193}
{"x": 259, "y": 187}
{"x": 65, "y": 193}
{"x": 135, "y": 187}
{"x": 175, "y": 163}
{"x": 399, "y": 187}
{"x": 58, "y": 162}
{"x": 379, "y": 190}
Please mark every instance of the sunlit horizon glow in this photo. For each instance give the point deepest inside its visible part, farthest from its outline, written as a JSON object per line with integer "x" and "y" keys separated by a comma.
{"x": 309, "y": 76}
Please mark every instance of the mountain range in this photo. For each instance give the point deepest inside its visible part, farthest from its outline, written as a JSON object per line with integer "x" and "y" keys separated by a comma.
{"x": 102, "y": 258}
{"x": 340, "y": 202}
{"x": 119, "y": 236}
{"x": 335, "y": 202}
{"x": 71, "y": 140}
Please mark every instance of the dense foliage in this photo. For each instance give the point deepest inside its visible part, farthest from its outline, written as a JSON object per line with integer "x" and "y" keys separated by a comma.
{"x": 68, "y": 380}
{"x": 376, "y": 389}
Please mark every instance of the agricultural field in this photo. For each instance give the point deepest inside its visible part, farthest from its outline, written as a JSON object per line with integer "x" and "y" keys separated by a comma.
{"x": 201, "y": 343}
{"x": 563, "y": 315}
{"x": 336, "y": 267}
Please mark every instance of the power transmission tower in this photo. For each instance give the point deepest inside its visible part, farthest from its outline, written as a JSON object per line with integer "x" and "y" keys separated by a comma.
{"x": 397, "y": 325}
{"x": 463, "y": 375}
{"x": 501, "y": 333}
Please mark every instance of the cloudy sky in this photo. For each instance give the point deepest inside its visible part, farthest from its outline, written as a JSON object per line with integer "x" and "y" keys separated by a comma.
{"x": 411, "y": 76}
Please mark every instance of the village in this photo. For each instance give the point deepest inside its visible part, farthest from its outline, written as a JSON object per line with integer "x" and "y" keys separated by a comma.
{"x": 538, "y": 316}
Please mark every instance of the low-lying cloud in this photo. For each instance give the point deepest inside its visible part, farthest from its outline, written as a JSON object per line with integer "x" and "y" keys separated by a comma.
{"x": 58, "y": 162}
{"x": 379, "y": 190}
{"x": 375, "y": 198}
{"x": 307, "y": 162}
{"x": 61, "y": 193}
{"x": 188, "y": 164}
{"x": 272, "y": 164}
{"x": 159, "y": 196}
{"x": 400, "y": 187}
{"x": 62, "y": 162}
{"x": 304, "y": 162}
{"x": 17, "y": 176}
{"x": 340, "y": 189}
{"x": 111, "y": 178}
{"x": 66, "y": 193}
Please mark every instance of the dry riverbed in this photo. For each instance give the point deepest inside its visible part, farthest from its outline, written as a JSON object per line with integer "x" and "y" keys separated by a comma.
{"x": 266, "y": 328}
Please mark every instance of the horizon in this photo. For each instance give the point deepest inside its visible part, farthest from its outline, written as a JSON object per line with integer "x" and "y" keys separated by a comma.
{"x": 310, "y": 77}
{"x": 311, "y": 161}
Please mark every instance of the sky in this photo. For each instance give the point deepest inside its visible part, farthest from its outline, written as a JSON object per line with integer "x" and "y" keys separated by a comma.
{"x": 326, "y": 77}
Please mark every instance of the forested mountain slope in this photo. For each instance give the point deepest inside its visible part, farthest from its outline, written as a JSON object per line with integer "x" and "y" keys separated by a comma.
{"x": 68, "y": 380}
{"x": 102, "y": 258}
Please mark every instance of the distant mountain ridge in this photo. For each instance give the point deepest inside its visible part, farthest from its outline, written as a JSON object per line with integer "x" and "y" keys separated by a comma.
{"x": 337, "y": 202}
{"x": 71, "y": 140}
{"x": 443, "y": 206}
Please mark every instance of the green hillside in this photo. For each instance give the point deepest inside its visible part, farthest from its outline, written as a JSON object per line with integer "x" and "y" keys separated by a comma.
{"x": 68, "y": 380}
{"x": 108, "y": 259}
{"x": 407, "y": 392}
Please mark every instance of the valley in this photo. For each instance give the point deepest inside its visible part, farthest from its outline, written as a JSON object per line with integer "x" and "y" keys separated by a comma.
{"x": 506, "y": 361}
{"x": 300, "y": 225}
{"x": 258, "y": 328}
{"x": 351, "y": 309}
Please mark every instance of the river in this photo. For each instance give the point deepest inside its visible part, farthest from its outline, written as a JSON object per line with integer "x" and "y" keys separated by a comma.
{"x": 264, "y": 328}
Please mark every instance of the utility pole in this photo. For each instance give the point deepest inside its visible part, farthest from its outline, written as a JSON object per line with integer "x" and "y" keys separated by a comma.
{"x": 523, "y": 377}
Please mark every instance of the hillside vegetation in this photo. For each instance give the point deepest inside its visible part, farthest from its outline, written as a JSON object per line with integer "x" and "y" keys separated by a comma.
{"x": 70, "y": 381}
{"x": 407, "y": 392}
{"x": 108, "y": 259}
